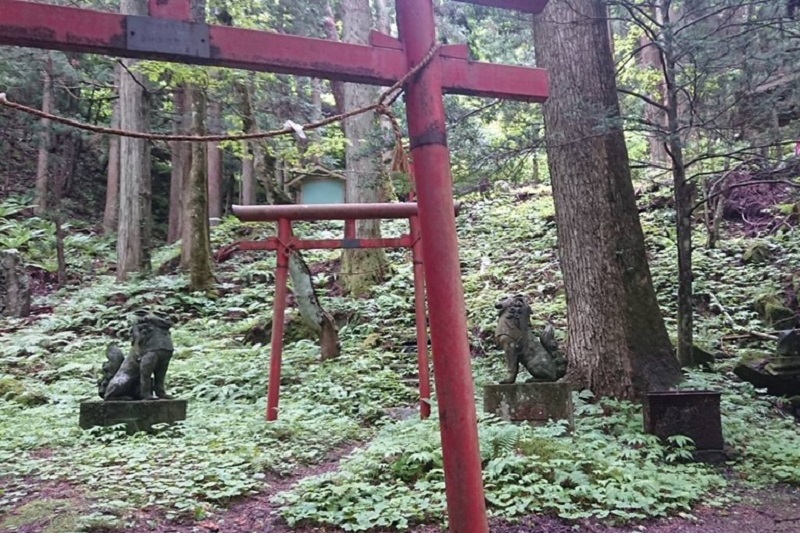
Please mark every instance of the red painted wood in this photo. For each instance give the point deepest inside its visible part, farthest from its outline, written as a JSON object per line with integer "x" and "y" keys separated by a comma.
{"x": 455, "y": 51}
{"x": 423, "y": 365}
{"x": 278, "y": 311}
{"x": 170, "y": 9}
{"x": 60, "y": 28}
{"x": 350, "y": 229}
{"x": 526, "y": 6}
{"x": 382, "y": 40}
{"x": 494, "y": 81}
{"x": 272, "y": 243}
{"x": 466, "y": 507}
{"x": 54, "y": 27}
{"x": 288, "y": 54}
{"x": 271, "y": 213}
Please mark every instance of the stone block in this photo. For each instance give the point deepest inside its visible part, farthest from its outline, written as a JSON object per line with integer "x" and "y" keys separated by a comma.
{"x": 693, "y": 413}
{"x": 136, "y": 415}
{"x": 530, "y": 402}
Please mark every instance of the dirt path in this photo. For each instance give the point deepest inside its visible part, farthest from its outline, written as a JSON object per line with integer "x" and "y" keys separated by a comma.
{"x": 763, "y": 511}
{"x": 776, "y": 511}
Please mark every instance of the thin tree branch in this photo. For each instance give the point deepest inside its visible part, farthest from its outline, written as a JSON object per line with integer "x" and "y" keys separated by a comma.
{"x": 642, "y": 97}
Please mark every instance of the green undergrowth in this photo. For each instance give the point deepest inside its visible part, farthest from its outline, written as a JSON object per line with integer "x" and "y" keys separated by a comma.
{"x": 607, "y": 468}
{"x": 599, "y": 471}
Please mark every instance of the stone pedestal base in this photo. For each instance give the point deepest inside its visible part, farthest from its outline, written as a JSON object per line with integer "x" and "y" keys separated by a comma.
{"x": 693, "y": 413}
{"x": 136, "y": 415}
{"x": 530, "y": 402}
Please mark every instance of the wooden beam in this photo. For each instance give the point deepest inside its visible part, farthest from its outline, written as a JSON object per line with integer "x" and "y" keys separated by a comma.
{"x": 525, "y": 6}
{"x": 47, "y": 26}
{"x": 492, "y": 80}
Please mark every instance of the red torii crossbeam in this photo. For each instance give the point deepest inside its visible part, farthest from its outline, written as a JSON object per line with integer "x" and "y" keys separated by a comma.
{"x": 168, "y": 35}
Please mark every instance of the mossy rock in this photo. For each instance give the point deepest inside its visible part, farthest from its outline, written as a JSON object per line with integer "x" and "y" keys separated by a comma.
{"x": 747, "y": 357}
{"x": 45, "y": 515}
{"x": 778, "y": 316}
{"x": 294, "y": 329}
{"x": 774, "y": 312}
{"x": 757, "y": 253}
{"x": 13, "y": 390}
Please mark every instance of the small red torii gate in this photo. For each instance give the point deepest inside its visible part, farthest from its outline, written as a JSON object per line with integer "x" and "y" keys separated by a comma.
{"x": 168, "y": 34}
{"x": 285, "y": 243}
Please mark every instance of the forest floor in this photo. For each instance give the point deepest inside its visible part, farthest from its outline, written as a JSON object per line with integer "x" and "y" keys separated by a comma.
{"x": 767, "y": 510}
{"x": 761, "y": 511}
{"x": 337, "y": 459}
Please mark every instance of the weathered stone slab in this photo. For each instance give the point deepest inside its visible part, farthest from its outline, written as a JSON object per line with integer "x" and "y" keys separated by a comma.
{"x": 693, "y": 413}
{"x": 136, "y": 415}
{"x": 530, "y": 402}
{"x": 15, "y": 291}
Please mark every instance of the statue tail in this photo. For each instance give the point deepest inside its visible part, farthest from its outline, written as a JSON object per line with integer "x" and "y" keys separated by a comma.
{"x": 548, "y": 338}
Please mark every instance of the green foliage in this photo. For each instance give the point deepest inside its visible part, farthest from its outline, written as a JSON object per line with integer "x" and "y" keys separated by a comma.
{"x": 35, "y": 238}
{"x": 607, "y": 469}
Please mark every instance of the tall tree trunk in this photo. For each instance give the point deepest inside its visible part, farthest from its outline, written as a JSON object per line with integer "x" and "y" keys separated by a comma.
{"x": 650, "y": 59}
{"x": 196, "y": 245}
{"x": 214, "y": 164}
{"x": 43, "y": 161}
{"x": 361, "y": 268}
{"x": 683, "y": 194}
{"x": 248, "y": 193}
{"x": 112, "y": 174}
{"x": 134, "y": 228}
{"x": 383, "y": 16}
{"x": 337, "y": 87}
{"x": 68, "y": 159}
{"x": 180, "y": 162}
{"x": 618, "y": 344}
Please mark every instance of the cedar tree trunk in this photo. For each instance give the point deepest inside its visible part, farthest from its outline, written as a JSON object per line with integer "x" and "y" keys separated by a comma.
{"x": 112, "y": 173}
{"x": 618, "y": 344}
{"x": 43, "y": 161}
{"x": 361, "y": 269}
{"x": 133, "y": 233}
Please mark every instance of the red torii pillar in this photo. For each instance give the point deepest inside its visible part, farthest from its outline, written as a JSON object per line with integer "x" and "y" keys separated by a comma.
{"x": 169, "y": 35}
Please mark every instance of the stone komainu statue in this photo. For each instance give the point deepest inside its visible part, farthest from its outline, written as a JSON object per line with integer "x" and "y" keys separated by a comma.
{"x": 538, "y": 354}
{"x": 140, "y": 375}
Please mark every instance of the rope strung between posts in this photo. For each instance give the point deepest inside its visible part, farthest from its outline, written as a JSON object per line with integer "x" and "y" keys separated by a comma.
{"x": 382, "y": 106}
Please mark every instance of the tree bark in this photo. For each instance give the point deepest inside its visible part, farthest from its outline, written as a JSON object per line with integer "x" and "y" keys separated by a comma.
{"x": 196, "y": 244}
{"x": 110, "y": 214}
{"x": 43, "y": 161}
{"x": 215, "y": 164}
{"x": 134, "y": 227}
{"x": 311, "y": 310}
{"x": 195, "y": 240}
{"x": 15, "y": 291}
{"x": 654, "y": 115}
{"x": 383, "y": 16}
{"x": 683, "y": 194}
{"x": 180, "y": 160}
{"x": 337, "y": 87}
{"x": 618, "y": 344}
{"x": 248, "y": 193}
{"x": 361, "y": 268}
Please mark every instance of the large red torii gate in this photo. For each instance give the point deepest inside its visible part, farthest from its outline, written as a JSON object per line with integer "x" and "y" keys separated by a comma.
{"x": 168, "y": 34}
